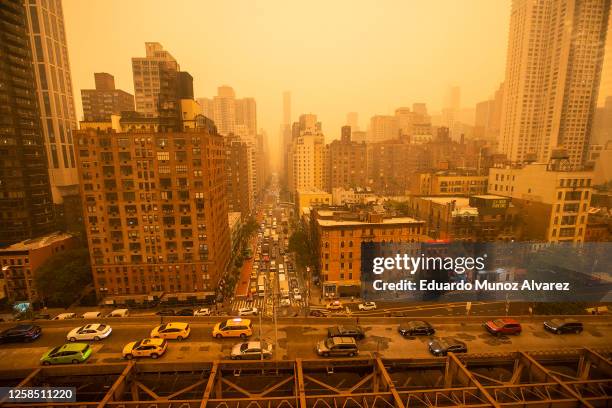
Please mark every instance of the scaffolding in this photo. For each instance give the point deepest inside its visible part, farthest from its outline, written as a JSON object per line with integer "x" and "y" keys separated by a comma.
{"x": 554, "y": 378}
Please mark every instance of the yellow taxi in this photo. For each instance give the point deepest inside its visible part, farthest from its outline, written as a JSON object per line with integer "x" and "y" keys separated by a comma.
{"x": 233, "y": 328}
{"x": 335, "y": 305}
{"x": 171, "y": 331}
{"x": 153, "y": 348}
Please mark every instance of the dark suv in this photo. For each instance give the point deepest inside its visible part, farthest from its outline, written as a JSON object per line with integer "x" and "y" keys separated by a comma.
{"x": 560, "y": 326}
{"x": 355, "y": 332}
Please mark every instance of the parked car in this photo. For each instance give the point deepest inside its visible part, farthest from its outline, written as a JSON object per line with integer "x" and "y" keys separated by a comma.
{"x": 22, "y": 333}
{"x": 166, "y": 312}
{"x": 185, "y": 312}
{"x": 93, "y": 331}
{"x": 65, "y": 316}
{"x": 337, "y": 346}
{"x": 248, "y": 311}
{"x": 416, "y": 328}
{"x": 335, "y": 305}
{"x": 236, "y": 327}
{"x": 285, "y": 302}
{"x": 153, "y": 348}
{"x": 119, "y": 313}
{"x": 440, "y": 346}
{"x": 355, "y": 332}
{"x": 296, "y": 291}
{"x": 319, "y": 312}
{"x": 562, "y": 326}
{"x": 202, "y": 312}
{"x": 173, "y": 331}
{"x": 251, "y": 350}
{"x": 297, "y": 296}
{"x": 498, "y": 327}
{"x": 367, "y": 306}
{"x": 69, "y": 353}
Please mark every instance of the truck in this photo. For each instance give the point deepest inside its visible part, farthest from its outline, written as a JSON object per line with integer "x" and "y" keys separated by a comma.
{"x": 284, "y": 288}
{"x": 261, "y": 285}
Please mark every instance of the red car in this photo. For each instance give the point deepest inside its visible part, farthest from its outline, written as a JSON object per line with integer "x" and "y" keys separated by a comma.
{"x": 503, "y": 326}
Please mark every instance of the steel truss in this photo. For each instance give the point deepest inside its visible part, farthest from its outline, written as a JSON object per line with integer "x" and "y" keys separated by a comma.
{"x": 556, "y": 378}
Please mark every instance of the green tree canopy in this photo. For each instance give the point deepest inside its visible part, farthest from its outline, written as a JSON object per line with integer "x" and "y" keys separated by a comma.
{"x": 63, "y": 277}
{"x": 303, "y": 248}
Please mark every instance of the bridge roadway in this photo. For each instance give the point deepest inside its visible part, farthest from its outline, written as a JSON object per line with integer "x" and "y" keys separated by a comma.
{"x": 579, "y": 377}
{"x": 297, "y": 338}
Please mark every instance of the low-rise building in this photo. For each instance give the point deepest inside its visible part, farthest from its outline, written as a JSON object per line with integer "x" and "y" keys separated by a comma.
{"x": 553, "y": 200}
{"x": 312, "y": 197}
{"x": 452, "y": 182}
{"x": 20, "y": 261}
{"x": 338, "y": 236}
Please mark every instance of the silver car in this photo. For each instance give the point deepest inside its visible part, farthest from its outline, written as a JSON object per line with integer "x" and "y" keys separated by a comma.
{"x": 251, "y": 350}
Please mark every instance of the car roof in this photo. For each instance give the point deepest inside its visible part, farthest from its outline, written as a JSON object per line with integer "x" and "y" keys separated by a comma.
{"x": 508, "y": 320}
{"x": 238, "y": 320}
{"x": 343, "y": 340}
{"x": 177, "y": 325}
{"x": 152, "y": 341}
{"x": 73, "y": 347}
{"x": 22, "y": 327}
{"x": 93, "y": 326}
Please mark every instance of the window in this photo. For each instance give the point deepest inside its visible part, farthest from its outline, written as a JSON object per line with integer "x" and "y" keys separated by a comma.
{"x": 162, "y": 156}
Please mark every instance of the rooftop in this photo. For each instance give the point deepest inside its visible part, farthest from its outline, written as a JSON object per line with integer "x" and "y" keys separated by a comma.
{"x": 37, "y": 243}
{"x": 387, "y": 221}
{"x": 312, "y": 191}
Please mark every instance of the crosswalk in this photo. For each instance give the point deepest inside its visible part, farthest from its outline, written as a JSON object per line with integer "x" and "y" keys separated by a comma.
{"x": 258, "y": 302}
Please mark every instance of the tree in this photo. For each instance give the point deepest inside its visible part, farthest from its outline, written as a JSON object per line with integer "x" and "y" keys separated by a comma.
{"x": 303, "y": 248}
{"x": 61, "y": 279}
{"x": 249, "y": 229}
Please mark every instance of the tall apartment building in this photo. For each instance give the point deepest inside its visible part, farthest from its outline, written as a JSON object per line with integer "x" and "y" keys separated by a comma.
{"x": 246, "y": 114}
{"x": 239, "y": 173}
{"x": 103, "y": 101}
{"x": 155, "y": 209}
{"x": 306, "y": 155}
{"x": 346, "y": 162}
{"x": 54, "y": 93}
{"x": 26, "y": 204}
{"x": 605, "y": 88}
{"x": 553, "y": 202}
{"x": 231, "y": 115}
{"x": 155, "y": 80}
{"x": 383, "y": 128}
{"x": 352, "y": 120}
{"x": 553, "y": 68}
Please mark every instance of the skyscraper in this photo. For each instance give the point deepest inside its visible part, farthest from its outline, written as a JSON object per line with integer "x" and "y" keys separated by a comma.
{"x": 155, "y": 79}
{"x": 54, "y": 93}
{"x": 553, "y": 68}
{"x": 246, "y": 115}
{"x": 100, "y": 103}
{"x": 383, "y": 128}
{"x": 305, "y": 156}
{"x": 26, "y": 206}
{"x": 605, "y": 88}
{"x": 352, "y": 120}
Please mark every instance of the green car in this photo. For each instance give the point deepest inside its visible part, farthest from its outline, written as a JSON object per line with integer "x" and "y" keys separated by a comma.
{"x": 69, "y": 353}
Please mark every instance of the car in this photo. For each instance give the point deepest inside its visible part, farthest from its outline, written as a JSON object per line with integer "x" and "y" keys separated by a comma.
{"x": 153, "y": 348}
{"x": 92, "y": 315}
{"x": 285, "y": 302}
{"x": 367, "y": 306}
{"x": 355, "y": 332}
{"x": 248, "y": 311}
{"x": 69, "y": 353}
{"x": 202, "y": 312}
{"x": 64, "y": 316}
{"x": 94, "y": 331}
{"x": 440, "y": 346}
{"x": 319, "y": 312}
{"x": 335, "y": 305}
{"x": 416, "y": 328}
{"x": 498, "y": 327}
{"x": 296, "y": 291}
{"x": 236, "y": 327}
{"x": 166, "y": 312}
{"x": 185, "y": 312}
{"x": 22, "y": 333}
{"x": 561, "y": 326}
{"x": 119, "y": 313}
{"x": 251, "y": 350}
{"x": 297, "y": 296}
{"x": 337, "y": 346}
{"x": 172, "y": 331}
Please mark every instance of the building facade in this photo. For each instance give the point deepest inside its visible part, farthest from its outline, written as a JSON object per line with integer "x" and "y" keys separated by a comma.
{"x": 103, "y": 101}
{"x": 346, "y": 162}
{"x": 306, "y": 155}
{"x": 383, "y": 128}
{"x": 553, "y": 69}
{"x": 155, "y": 210}
{"x": 26, "y": 203}
{"x": 239, "y": 176}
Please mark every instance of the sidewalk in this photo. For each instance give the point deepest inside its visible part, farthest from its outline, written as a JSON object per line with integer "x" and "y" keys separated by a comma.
{"x": 242, "y": 286}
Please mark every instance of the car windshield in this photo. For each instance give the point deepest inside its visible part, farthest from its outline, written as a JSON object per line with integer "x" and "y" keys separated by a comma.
{"x": 54, "y": 350}
{"x": 557, "y": 322}
{"x": 163, "y": 327}
{"x": 223, "y": 325}
{"x": 138, "y": 343}
{"x": 329, "y": 342}
{"x": 498, "y": 322}
{"x": 101, "y": 327}
{"x": 443, "y": 343}
{"x": 244, "y": 347}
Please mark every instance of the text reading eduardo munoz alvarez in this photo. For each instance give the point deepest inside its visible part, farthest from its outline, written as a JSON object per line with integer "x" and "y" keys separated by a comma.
{"x": 456, "y": 265}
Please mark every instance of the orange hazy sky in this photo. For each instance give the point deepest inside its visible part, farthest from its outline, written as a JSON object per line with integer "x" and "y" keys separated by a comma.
{"x": 334, "y": 56}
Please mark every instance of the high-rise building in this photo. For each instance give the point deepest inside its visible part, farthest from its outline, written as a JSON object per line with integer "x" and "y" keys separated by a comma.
{"x": 100, "y": 103}
{"x": 155, "y": 80}
{"x": 553, "y": 68}
{"x": 156, "y": 209}
{"x": 306, "y": 155}
{"x": 224, "y": 110}
{"x": 54, "y": 93}
{"x": 602, "y": 123}
{"x": 239, "y": 173}
{"x": 605, "y": 87}
{"x": 246, "y": 115}
{"x": 345, "y": 162}
{"x": 286, "y": 108}
{"x": 383, "y": 128}
{"x": 231, "y": 115}
{"x": 26, "y": 205}
{"x": 352, "y": 120}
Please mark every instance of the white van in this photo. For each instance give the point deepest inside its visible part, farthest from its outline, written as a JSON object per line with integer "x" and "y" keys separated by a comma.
{"x": 65, "y": 316}
{"x": 91, "y": 315}
{"x": 119, "y": 313}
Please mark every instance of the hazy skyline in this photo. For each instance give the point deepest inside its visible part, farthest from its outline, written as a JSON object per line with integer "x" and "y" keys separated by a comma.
{"x": 335, "y": 58}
